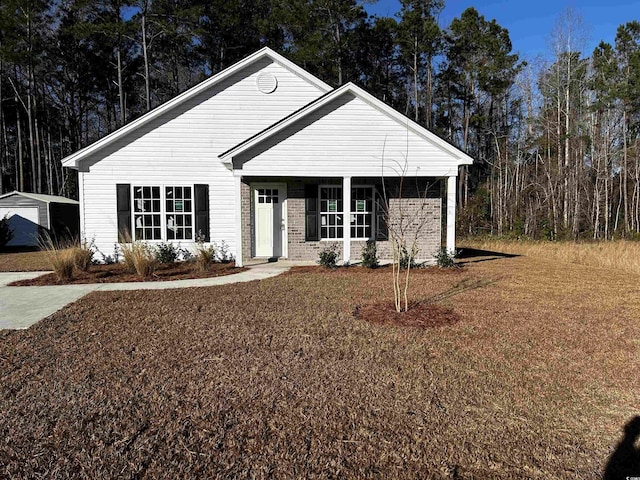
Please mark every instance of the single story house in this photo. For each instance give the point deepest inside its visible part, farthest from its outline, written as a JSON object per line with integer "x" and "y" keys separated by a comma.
{"x": 30, "y": 215}
{"x": 273, "y": 161}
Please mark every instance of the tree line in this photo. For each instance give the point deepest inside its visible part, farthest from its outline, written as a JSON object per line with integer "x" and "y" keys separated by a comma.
{"x": 556, "y": 144}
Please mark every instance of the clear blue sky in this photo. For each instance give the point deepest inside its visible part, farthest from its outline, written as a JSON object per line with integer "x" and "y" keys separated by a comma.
{"x": 530, "y": 23}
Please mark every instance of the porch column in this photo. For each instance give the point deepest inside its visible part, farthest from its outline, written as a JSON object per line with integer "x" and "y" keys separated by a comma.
{"x": 346, "y": 209}
{"x": 238, "y": 206}
{"x": 451, "y": 214}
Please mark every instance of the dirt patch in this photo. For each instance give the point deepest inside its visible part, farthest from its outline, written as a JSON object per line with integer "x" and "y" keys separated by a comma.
{"x": 117, "y": 273}
{"x": 419, "y": 315}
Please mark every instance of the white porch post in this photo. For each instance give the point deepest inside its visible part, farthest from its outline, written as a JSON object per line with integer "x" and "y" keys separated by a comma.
{"x": 346, "y": 208}
{"x": 238, "y": 204}
{"x": 451, "y": 214}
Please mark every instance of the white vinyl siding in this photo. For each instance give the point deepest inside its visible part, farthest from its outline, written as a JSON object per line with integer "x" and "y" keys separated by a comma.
{"x": 182, "y": 147}
{"x": 347, "y": 137}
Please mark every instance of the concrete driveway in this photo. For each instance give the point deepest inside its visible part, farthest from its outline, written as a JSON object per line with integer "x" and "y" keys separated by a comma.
{"x": 21, "y": 307}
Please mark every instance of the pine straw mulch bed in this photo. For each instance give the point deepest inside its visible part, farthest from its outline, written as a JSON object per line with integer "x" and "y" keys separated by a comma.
{"x": 277, "y": 379}
{"x": 419, "y": 315}
{"x": 117, "y": 273}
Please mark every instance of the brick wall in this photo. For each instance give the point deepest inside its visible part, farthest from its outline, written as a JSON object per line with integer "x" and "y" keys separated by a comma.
{"x": 425, "y": 213}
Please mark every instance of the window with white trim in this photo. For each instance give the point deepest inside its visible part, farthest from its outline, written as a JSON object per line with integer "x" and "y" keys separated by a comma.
{"x": 163, "y": 213}
{"x": 147, "y": 213}
{"x": 361, "y": 213}
{"x": 179, "y": 209}
{"x": 331, "y": 215}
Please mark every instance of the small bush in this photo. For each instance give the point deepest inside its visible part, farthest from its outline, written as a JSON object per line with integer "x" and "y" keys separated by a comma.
{"x": 223, "y": 254}
{"x": 6, "y": 233}
{"x": 205, "y": 256}
{"x": 370, "y": 255}
{"x": 445, "y": 259}
{"x": 61, "y": 257}
{"x": 407, "y": 260}
{"x": 139, "y": 258}
{"x": 329, "y": 257}
{"x": 167, "y": 253}
{"x": 83, "y": 255}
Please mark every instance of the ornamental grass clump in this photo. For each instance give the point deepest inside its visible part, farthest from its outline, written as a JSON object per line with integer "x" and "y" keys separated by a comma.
{"x": 139, "y": 258}
{"x": 205, "y": 256}
{"x": 60, "y": 256}
{"x": 83, "y": 255}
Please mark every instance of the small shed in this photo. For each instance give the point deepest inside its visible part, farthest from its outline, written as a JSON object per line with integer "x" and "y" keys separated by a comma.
{"x": 32, "y": 214}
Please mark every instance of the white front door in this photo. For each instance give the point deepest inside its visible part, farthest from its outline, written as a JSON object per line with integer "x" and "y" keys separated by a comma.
{"x": 270, "y": 219}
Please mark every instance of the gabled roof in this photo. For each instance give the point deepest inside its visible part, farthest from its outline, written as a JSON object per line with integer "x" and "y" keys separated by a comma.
{"x": 462, "y": 158}
{"x": 41, "y": 197}
{"x": 73, "y": 159}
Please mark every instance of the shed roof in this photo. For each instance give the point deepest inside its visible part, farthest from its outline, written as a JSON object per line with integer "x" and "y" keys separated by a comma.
{"x": 41, "y": 197}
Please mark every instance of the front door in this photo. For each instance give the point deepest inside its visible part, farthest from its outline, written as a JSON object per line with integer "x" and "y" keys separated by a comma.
{"x": 270, "y": 219}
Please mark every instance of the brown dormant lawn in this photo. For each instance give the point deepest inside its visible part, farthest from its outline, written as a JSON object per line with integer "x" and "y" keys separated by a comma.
{"x": 278, "y": 379}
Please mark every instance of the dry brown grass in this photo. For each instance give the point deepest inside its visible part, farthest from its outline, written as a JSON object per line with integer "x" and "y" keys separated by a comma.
{"x": 139, "y": 258}
{"x": 277, "y": 379}
{"x": 24, "y": 262}
{"x": 623, "y": 255}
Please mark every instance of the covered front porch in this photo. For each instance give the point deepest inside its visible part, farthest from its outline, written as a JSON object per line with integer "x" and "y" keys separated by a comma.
{"x": 294, "y": 218}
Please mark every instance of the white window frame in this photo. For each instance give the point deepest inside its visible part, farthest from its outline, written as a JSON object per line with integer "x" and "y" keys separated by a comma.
{"x": 322, "y": 212}
{"x": 371, "y": 213}
{"x": 163, "y": 211}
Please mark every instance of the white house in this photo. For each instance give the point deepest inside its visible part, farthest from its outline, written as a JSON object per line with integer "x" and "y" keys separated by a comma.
{"x": 271, "y": 160}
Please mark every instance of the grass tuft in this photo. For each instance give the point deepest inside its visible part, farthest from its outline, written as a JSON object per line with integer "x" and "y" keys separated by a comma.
{"x": 139, "y": 258}
{"x": 60, "y": 256}
{"x": 205, "y": 256}
{"x": 82, "y": 256}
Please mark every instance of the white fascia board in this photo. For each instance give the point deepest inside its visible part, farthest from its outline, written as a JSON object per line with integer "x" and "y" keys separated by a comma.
{"x": 462, "y": 158}
{"x": 72, "y": 161}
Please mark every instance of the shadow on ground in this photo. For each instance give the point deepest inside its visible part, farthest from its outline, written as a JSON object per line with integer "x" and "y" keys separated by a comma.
{"x": 474, "y": 255}
{"x": 624, "y": 462}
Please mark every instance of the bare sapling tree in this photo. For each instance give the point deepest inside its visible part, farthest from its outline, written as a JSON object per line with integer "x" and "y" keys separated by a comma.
{"x": 405, "y": 219}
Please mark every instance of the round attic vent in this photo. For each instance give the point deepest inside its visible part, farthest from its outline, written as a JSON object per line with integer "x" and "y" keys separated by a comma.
{"x": 267, "y": 82}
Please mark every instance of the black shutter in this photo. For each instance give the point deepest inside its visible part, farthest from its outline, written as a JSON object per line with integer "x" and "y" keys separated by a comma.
{"x": 311, "y": 213}
{"x": 123, "y": 199}
{"x": 382, "y": 230}
{"x": 201, "y": 196}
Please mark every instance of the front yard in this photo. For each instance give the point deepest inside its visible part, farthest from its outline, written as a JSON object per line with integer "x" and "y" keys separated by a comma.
{"x": 278, "y": 379}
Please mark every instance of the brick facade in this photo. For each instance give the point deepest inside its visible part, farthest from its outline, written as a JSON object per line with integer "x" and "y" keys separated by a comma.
{"x": 415, "y": 201}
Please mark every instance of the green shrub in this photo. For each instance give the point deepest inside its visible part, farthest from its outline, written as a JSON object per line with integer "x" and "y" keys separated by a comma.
{"x": 370, "y": 255}
{"x": 167, "y": 253}
{"x": 223, "y": 254}
{"x": 329, "y": 257}
{"x": 445, "y": 259}
{"x": 407, "y": 260}
{"x": 139, "y": 258}
{"x": 6, "y": 233}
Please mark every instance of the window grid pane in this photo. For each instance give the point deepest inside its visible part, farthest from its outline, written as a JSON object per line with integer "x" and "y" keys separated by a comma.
{"x": 179, "y": 222}
{"x": 146, "y": 208}
{"x": 361, "y": 212}
{"x": 331, "y": 215}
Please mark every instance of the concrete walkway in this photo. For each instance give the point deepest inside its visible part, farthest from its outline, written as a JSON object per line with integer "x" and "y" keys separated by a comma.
{"x": 21, "y": 307}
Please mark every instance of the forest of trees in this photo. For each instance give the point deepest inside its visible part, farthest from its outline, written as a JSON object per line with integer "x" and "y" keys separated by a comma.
{"x": 556, "y": 143}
